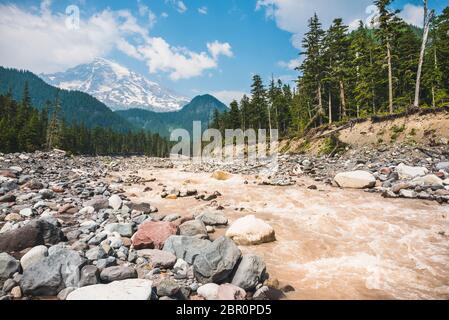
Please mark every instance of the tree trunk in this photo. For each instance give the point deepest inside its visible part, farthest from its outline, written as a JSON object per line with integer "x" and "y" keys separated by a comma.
{"x": 433, "y": 97}
{"x": 342, "y": 98}
{"x": 427, "y": 20}
{"x": 320, "y": 105}
{"x": 330, "y": 106}
{"x": 390, "y": 79}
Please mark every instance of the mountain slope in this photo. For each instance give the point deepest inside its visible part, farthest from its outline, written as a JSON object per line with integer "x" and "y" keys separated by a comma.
{"x": 77, "y": 107}
{"x": 117, "y": 87}
{"x": 201, "y": 108}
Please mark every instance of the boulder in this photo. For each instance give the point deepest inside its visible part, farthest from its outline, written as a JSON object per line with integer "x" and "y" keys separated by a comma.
{"x": 250, "y": 230}
{"x": 158, "y": 258}
{"x": 124, "y": 229}
{"x": 131, "y": 289}
{"x": 250, "y": 272}
{"x": 186, "y": 248}
{"x": 153, "y": 234}
{"x": 115, "y": 202}
{"x": 117, "y": 273}
{"x": 8, "y": 266}
{"x": 209, "y": 291}
{"x": 408, "y": 172}
{"x": 213, "y": 219}
{"x": 230, "y": 292}
{"x": 47, "y": 277}
{"x": 34, "y": 255}
{"x": 34, "y": 233}
{"x": 193, "y": 228}
{"x": 96, "y": 253}
{"x": 355, "y": 179}
{"x": 217, "y": 261}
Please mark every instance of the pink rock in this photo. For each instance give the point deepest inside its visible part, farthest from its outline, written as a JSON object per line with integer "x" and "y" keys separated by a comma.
{"x": 153, "y": 234}
{"x": 230, "y": 292}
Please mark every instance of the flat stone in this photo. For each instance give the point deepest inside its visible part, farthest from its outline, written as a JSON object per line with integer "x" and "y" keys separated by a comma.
{"x": 130, "y": 289}
{"x": 213, "y": 219}
{"x": 209, "y": 291}
{"x": 408, "y": 172}
{"x": 158, "y": 258}
{"x": 117, "y": 273}
{"x": 124, "y": 229}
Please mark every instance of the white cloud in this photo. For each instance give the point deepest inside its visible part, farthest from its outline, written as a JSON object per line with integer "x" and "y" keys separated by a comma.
{"x": 202, "y": 10}
{"x": 217, "y": 48}
{"x": 413, "y": 14}
{"x": 178, "y": 5}
{"x": 227, "y": 96}
{"x": 292, "y": 15}
{"x": 164, "y": 15}
{"x": 291, "y": 64}
{"x": 41, "y": 42}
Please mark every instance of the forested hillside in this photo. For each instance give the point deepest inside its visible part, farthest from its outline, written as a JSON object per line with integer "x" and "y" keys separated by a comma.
{"x": 344, "y": 75}
{"x": 201, "y": 108}
{"x": 76, "y": 107}
{"x": 24, "y": 128}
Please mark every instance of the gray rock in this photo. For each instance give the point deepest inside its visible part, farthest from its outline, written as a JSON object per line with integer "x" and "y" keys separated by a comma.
{"x": 167, "y": 287}
{"x": 171, "y": 217}
{"x": 186, "y": 248}
{"x": 216, "y": 263}
{"x": 250, "y": 271}
{"x": 96, "y": 240}
{"x": 89, "y": 276}
{"x": 124, "y": 229}
{"x": 213, "y": 219}
{"x": 47, "y": 277}
{"x": 117, "y": 273}
{"x": 8, "y": 266}
{"x": 105, "y": 263}
{"x": 96, "y": 253}
{"x": 27, "y": 212}
{"x": 193, "y": 228}
{"x": 158, "y": 258}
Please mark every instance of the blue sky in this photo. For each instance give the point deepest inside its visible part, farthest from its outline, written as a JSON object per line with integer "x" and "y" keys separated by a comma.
{"x": 190, "y": 46}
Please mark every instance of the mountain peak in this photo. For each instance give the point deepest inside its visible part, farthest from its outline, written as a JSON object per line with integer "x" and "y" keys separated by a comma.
{"x": 117, "y": 87}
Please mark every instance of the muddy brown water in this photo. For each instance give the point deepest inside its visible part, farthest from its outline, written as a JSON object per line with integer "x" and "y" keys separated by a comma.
{"x": 331, "y": 243}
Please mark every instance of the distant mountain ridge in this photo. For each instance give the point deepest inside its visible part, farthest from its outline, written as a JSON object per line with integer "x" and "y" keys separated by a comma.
{"x": 117, "y": 87}
{"x": 201, "y": 108}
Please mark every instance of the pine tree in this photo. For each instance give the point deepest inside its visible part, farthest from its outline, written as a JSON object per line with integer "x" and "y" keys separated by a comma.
{"x": 258, "y": 113}
{"x": 234, "y": 116}
{"x": 313, "y": 67}
{"x": 386, "y": 33}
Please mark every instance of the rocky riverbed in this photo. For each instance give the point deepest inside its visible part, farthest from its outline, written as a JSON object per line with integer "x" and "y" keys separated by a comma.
{"x": 144, "y": 228}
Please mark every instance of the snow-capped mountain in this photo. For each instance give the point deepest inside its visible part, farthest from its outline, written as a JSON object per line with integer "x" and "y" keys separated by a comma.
{"x": 117, "y": 87}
